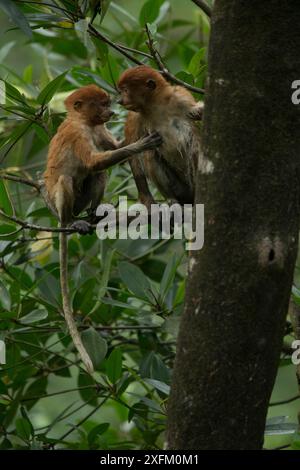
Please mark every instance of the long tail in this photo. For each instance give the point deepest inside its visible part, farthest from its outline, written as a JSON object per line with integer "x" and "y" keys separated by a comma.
{"x": 63, "y": 255}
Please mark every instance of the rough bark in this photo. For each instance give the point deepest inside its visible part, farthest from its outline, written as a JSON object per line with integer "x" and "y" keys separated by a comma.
{"x": 239, "y": 284}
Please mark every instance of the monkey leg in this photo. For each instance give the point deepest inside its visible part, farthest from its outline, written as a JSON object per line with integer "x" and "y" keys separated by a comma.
{"x": 141, "y": 182}
{"x": 167, "y": 180}
{"x": 64, "y": 201}
{"x": 90, "y": 195}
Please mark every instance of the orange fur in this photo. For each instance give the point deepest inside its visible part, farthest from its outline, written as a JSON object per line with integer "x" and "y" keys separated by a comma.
{"x": 74, "y": 178}
{"x": 154, "y": 104}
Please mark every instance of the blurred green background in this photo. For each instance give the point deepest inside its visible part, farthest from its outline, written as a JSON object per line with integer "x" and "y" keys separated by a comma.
{"x": 46, "y": 399}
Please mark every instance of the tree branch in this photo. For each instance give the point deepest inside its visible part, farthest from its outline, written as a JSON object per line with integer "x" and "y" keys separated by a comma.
{"x": 284, "y": 402}
{"x": 26, "y": 181}
{"x": 203, "y": 5}
{"x": 39, "y": 228}
{"x": 154, "y": 55}
{"x": 94, "y": 32}
{"x": 163, "y": 69}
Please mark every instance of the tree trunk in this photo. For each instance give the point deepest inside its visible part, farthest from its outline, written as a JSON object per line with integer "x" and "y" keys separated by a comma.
{"x": 239, "y": 284}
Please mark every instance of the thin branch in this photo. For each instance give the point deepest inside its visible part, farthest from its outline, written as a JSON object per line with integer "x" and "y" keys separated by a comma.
{"x": 46, "y": 5}
{"x": 40, "y": 351}
{"x": 97, "y": 328}
{"x": 64, "y": 415}
{"x": 16, "y": 141}
{"x": 39, "y": 228}
{"x": 83, "y": 419}
{"x": 164, "y": 71}
{"x": 135, "y": 51}
{"x": 203, "y": 5}
{"x": 61, "y": 392}
{"x": 17, "y": 179}
{"x": 154, "y": 55}
{"x": 283, "y": 402}
{"x": 94, "y": 32}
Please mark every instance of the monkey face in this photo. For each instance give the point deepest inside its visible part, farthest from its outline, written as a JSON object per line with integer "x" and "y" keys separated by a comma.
{"x": 133, "y": 100}
{"x": 126, "y": 99}
{"x": 90, "y": 104}
{"x": 139, "y": 86}
{"x": 97, "y": 111}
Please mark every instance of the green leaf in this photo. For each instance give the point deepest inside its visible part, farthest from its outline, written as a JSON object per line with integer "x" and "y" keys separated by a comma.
{"x": 13, "y": 94}
{"x": 5, "y": 203}
{"x": 27, "y": 74}
{"x": 4, "y": 51}
{"x": 114, "y": 365}
{"x": 105, "y": 274}
{"x": 34, "y": 316}
{"x": 161, "y": 386}
{"x": 8, "y": 232}
{"x": 152, "y": 367}
{"x": 5, "y": 299}
{"x": 16, "y": 16}
{"x": 84, "y": 76}
{"x": 23, "y": 429}
{"x": 97, "y": 431}
{"x": 95, "y": 345}
{"x": 136, "y": 281}
{"x": 88, "y": 393}
{"x": 140, "y": 409}
{"x": 49, "y": 91}
{"x": 104, "y": 8}
{"x": 41, "y": 133}
{"x": 81, "y": 28}
{"x": 169, "y": 274}
{"x": 196, "y": 66}
{"x": 150, "y": 11}
{"x": 25, "y": 416}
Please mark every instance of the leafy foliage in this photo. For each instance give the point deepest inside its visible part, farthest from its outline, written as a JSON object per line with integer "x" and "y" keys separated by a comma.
{"x": 127, "y": 294}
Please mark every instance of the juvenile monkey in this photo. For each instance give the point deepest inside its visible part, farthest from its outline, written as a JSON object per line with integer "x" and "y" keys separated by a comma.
{"x": 171, "y": 110}
{"x": 75, "y": 178}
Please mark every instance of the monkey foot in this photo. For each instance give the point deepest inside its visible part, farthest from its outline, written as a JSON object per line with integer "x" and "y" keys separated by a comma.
{"x": 82, "y": 227}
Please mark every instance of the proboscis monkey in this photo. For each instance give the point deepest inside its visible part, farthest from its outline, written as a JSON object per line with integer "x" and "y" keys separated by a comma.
{"x": 172, "y": 111}
{"x": 75, "y": 176}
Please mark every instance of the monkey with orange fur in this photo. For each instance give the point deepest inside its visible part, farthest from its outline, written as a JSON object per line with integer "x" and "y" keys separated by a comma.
{"x": 75, "y": 178}
{"x": 172, "y": 111}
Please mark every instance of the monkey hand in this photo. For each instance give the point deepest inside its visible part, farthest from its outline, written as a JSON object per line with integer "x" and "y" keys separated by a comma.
{"x": 82, "y": 227}
{"x": 151, "y": 141}
{"x": 196, "y": 113}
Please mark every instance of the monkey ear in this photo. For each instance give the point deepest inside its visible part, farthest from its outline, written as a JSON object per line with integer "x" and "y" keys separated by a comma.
{"x": 151, "y": 84}
{"x": 77, "y": 105}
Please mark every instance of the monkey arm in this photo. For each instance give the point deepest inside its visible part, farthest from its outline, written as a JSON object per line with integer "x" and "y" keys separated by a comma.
{"x": 187, "y": 104}
{"x": 103, "y": 160}
{"x": 104, "y": 139}
{"x": 196, "y": 112}
{"x": 141, "y": 182}
{"x": 134, "y": 130}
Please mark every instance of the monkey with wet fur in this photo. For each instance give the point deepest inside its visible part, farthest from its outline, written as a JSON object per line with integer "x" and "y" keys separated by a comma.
{"x": 75, "y": 178}
{"x": 172, "y": 111}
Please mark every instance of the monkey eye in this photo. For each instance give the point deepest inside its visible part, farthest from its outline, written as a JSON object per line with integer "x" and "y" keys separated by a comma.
{"x": 77, "y": 105}
{"x": 151, "y": 84}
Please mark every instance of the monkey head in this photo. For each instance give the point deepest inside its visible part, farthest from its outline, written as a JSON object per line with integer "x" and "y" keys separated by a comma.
{"x": 139, "y": 86}
{"x": 90, "y": 104}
